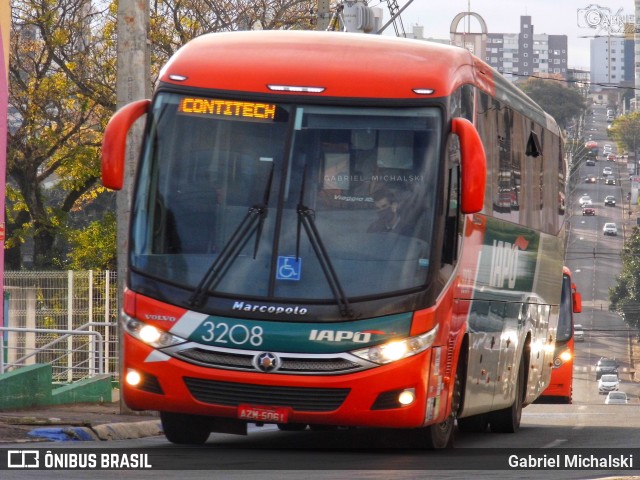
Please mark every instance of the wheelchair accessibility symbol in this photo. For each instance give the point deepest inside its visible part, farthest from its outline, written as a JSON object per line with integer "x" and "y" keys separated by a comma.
{"x": 289, "y": 268}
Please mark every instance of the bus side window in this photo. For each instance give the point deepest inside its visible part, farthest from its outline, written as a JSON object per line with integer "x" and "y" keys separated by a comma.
{"x": 452, "y": 214}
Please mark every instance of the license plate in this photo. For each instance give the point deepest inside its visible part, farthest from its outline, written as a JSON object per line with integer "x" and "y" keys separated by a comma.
{"x": 254, "y": 413}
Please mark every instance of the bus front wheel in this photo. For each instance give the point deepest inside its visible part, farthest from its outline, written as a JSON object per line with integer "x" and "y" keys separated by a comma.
{"x": 185, "y": 429}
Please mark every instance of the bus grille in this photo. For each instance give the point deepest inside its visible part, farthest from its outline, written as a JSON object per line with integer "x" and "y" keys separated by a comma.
{"x": 298, "y": 398}
{"x": 290, "y": 363}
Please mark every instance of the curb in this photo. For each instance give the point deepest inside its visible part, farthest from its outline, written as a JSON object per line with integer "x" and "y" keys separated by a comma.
{"x": 104, "y": 432}
{"x": 128, "y": 431}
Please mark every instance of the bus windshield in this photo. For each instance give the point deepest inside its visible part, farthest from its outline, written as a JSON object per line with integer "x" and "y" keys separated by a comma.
{"x": 242, "y": 197}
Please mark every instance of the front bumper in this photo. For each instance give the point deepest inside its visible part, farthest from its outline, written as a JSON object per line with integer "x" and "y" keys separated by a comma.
{"x": 365, "y": 398}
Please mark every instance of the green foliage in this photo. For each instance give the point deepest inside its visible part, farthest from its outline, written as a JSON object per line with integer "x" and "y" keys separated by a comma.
{"x": 625, "y": 131}
{"x": 624, "y": 297}
{"x": 560, "y": 101}
{"x": 94, "y": 248}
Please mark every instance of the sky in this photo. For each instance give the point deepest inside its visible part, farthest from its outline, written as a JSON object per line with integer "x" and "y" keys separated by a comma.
{"x": 553, "y": 17}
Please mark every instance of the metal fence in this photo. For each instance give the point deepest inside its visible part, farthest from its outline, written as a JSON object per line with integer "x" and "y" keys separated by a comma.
{"x": 46, "y": 314}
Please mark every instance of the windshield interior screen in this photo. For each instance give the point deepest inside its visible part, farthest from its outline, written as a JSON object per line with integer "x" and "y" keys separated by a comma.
{"x": 283, "y": 201}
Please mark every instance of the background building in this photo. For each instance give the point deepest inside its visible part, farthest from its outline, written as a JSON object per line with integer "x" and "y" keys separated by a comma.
{"x": 525, "y": 53}
{"x": 612, "y": 60}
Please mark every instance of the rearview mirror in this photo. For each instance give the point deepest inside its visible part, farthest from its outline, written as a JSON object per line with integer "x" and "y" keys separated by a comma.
{"x": 473, "y": 166}
{"x": 114, "y": 142}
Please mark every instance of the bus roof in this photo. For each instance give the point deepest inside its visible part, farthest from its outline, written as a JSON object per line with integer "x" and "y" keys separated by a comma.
{"x": 388, "y": 67}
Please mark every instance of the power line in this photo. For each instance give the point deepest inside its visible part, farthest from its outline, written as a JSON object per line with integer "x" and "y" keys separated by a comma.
{"x": 562, "y": 80}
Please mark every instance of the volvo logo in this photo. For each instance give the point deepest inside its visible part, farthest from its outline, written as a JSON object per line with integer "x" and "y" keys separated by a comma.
{"x": 266, "y": 362}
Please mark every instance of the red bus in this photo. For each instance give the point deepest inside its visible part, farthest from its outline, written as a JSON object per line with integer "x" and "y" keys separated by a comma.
{"x": 314, "y": 239}
{"x": 561, "y": 387}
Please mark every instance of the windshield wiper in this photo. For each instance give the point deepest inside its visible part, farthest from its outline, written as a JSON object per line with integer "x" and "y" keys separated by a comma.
{"x": 253, "y": 222}
{"x": 306, "y": 219}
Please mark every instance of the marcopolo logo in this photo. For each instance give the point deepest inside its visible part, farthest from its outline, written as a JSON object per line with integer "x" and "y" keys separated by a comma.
{"x": 272, "y": 309}
{"x": 605, "y": 21}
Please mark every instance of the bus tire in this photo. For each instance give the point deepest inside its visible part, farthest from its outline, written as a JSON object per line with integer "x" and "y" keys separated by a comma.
{"x": 292, "y": 427}
{"x": 474, "y": 423}
{"x": 508, "y": 419}
{"x": 322, "y": 428}
{"x": 185, "y": 429}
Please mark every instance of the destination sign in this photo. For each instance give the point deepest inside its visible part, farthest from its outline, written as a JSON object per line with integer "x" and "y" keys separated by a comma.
{"x": 227, "y": 108}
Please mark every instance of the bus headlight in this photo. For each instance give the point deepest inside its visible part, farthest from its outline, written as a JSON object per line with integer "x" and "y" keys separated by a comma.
{"x": 397, "y": 349}
{"x": 149, "y": 334}
{"x": 563, "y": 358}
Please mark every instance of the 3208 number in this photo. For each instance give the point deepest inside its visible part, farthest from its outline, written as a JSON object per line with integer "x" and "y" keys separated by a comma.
{"x": 235, "y": 334}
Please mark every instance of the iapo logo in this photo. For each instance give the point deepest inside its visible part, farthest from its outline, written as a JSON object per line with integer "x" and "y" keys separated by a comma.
{"x": 604, "y": 21}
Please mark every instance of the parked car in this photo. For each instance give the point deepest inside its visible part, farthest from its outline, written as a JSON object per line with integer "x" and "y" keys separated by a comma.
{"x": 610, "y": 180}
{"x": 608, "y": 383}
{"x": 589, "y": 211}
{"x": 610, "y": 200}
{"x": 607, "y": 171}
{"x": 610, "y": 229}
{"x": 616, "y": 398}
{"x": 606, "y": 366}
{"x": 578, "y": 333}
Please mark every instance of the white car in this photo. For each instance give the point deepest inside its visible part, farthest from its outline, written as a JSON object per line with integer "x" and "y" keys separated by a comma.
{"x": 608, "y": 383}
{"x": 578, "y": 333}
{"x": 616, "y": 398}
{"x": 607, "y": 171}
{"x": 585, "y": 200}
{"x": 610, "y": 229}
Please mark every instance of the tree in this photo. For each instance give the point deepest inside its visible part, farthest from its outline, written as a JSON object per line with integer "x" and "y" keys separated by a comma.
{"x": 625, "y": 131}
{"x": 560, "y": 101}
{"x": 624, "y": 297}
{"x": 57, "y": 110}
{"x": 94, "y": 247}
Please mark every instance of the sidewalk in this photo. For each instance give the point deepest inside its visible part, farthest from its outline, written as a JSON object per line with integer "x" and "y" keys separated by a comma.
{"x": 77, "y": 422}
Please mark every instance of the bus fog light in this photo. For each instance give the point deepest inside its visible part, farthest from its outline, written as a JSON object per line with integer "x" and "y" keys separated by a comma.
{"x": 133, "y": 378}
{"x": 407, "y": 397}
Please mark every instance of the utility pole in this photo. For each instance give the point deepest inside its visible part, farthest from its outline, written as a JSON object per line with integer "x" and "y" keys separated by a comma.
{"x": 323, "y": 17}
{"x": 132, "y": 83}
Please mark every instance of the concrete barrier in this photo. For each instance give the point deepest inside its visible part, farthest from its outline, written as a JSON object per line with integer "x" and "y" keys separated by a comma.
{"x": 29, "y": 386}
